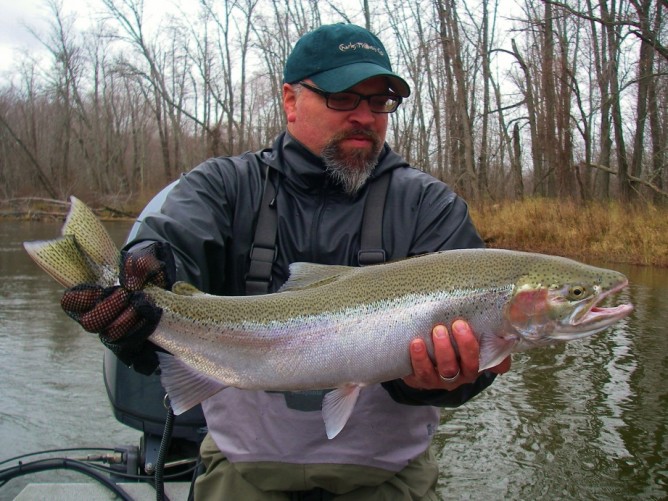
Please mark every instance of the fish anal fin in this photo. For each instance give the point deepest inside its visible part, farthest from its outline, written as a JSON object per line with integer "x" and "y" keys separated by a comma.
{"x": 337, "y": 406}
{"x": 185, "y": 386}
{"x": 494, "y": 349}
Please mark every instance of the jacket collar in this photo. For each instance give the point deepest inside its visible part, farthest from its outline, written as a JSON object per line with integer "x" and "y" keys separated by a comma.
{"x": 302, "y": 167}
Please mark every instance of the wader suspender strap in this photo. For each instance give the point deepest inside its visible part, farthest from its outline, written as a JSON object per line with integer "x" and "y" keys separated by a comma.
{"x": 263, "y": 252}
{"x": 371, "y": 246}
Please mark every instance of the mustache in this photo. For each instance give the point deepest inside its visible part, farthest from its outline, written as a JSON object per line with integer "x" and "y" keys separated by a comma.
{"x": 357, "y": 132}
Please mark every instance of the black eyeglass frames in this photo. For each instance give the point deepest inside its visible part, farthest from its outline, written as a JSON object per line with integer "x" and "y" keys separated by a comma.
{"x": 349, "y": 100}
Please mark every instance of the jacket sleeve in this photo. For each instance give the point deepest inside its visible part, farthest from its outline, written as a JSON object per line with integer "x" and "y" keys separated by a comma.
{"x": 443, "y": 222}
{"x": 198, "y": 220}
{"x": 404, "y": 394}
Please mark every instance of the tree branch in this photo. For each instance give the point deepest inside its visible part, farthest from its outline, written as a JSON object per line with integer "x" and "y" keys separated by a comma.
{"x": 631, "y": 178}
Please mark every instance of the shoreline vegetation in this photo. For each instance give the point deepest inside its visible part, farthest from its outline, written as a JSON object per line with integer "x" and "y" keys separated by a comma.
{"x": 592, "y": 232}
{"x": 610, "y": 232}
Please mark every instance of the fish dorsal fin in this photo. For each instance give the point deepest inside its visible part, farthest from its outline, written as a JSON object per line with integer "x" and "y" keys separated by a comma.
{"x": 185, "y": 289}
{"x": 309, "y": 275}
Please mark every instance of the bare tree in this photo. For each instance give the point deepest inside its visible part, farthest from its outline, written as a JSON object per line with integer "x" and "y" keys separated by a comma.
{"x": 581, "y": 108}
{"x": 527, "y": 86}
{"x": 457, "y": 98}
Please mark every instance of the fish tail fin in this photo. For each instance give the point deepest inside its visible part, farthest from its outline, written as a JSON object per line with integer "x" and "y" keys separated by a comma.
{"x": 85, "y": 253}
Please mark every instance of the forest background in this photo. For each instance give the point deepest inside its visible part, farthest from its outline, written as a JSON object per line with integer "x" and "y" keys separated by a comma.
{"x": 564, "y": 102}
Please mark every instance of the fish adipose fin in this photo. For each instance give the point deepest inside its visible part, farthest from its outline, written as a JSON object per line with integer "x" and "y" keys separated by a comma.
{"x": 185, "y": 386}
{"x": 337, "y": 406}
{"x": 185, "y": 289}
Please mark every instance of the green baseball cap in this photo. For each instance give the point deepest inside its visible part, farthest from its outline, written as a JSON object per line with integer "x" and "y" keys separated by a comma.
{"x": 337, "y": 57}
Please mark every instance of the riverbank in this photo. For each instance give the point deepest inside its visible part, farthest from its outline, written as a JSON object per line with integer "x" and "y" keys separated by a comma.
{"x": 596, "y": 231}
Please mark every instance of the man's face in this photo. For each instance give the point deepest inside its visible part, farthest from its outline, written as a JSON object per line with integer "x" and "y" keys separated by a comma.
{"x": 348, "y": 141}
{"x": 314, "y": 125}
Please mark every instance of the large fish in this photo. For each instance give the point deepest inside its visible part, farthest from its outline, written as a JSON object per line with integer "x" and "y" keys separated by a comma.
{"x": 342, "y": 328}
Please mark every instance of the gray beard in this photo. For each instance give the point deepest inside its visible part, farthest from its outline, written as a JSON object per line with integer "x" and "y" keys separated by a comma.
{"x": 351, "y": 169}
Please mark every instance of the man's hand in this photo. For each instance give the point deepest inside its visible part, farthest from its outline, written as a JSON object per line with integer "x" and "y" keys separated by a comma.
{"x": 123, "y": 315}
{"x": 456, "y": 359}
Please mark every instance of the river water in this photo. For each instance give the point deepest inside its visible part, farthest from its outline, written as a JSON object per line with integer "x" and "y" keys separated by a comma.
{"x": 586, "y": 420}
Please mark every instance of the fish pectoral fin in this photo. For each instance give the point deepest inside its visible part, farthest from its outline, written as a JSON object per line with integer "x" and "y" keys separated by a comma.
{"x": 493, "y": 349}
{"x": 185, "y": 386}
{"x": 337, "y": 406}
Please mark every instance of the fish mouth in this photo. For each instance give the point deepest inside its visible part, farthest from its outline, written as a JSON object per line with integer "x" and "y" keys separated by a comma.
{"x": 591, "y": 318}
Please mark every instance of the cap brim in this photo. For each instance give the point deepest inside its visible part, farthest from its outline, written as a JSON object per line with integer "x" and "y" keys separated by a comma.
{"x": 345, "y": 77}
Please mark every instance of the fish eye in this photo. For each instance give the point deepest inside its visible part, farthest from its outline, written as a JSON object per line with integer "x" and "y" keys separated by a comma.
{"x": 577, "y": 292}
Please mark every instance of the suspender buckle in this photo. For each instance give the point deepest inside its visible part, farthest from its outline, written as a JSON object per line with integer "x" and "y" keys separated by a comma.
{"x": 367, "y": 257}
{"x": 258, "y": 278}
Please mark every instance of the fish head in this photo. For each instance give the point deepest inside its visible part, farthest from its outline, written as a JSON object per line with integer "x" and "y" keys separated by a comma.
{"x": 561, "y": 301}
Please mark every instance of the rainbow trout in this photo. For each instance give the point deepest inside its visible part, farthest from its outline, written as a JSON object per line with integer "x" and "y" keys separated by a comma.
{"x": 342, "y": 328}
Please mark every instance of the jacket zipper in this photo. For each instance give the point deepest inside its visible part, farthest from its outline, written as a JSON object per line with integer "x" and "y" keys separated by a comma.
{"x": 317, "y": 218}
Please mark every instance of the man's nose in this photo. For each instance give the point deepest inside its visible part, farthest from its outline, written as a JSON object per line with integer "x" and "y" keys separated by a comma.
{"x": 363, "y": 114}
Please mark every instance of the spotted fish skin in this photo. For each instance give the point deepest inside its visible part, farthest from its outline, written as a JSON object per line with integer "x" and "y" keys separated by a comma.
{"x": 342, "y": 327}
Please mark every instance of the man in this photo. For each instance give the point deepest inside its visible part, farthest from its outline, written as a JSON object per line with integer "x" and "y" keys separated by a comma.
{"x": 338, "y": 91}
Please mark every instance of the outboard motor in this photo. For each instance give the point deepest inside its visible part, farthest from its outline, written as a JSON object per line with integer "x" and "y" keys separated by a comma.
{"x": 138, "y": 401}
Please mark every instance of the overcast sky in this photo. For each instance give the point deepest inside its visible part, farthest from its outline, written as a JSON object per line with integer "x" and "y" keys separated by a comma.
{"x": 13, "y": 33}
{"x": 17, "y": 17}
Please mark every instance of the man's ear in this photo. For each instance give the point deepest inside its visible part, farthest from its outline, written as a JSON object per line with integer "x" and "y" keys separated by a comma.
{"x": 289, "y": 102}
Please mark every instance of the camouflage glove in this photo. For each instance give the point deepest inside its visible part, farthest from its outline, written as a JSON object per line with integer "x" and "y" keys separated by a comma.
{"x": 123, "y": 315}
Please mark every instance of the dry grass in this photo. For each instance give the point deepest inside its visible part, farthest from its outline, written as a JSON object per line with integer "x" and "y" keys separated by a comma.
{"x": 612, "y": 232}
{"x": 596, "y": 231}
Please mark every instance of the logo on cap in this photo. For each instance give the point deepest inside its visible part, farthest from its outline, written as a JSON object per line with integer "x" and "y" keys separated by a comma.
{"x": 360, "y": 45}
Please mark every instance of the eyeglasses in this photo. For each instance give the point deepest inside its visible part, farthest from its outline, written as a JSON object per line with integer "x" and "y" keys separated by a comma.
{"x": 349, "y": 100}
